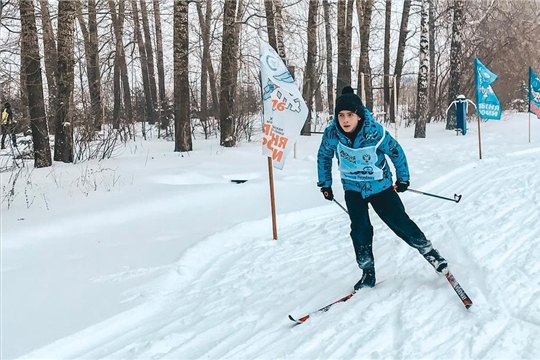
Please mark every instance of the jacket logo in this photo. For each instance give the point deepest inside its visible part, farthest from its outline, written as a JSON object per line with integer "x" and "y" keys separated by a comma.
{"x": 366, "y": 157}
{"x": 347, "y": 156}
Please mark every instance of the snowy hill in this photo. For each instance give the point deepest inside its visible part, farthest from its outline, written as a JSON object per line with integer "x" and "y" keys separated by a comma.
{"x": 165, "y": 258}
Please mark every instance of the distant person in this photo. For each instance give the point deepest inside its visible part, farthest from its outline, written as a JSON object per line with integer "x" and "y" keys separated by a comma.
{"x": 362, "y": 146}
{"x": 8, "y": 125}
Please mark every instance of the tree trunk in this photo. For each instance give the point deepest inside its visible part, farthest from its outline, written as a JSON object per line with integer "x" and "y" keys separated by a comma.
{"x": 364, "y": 10}
{"x": 455, "y": 62}
{"x": 432, "y": 93}
{"x": 279, "y": 31}
{"x": 423, "y": 75}
{"x": 237, "y": 55}
{"x": 160, "y": 67}
{"x": 149, "y": 54}
{"x": 386, "y": 61}
{"x": 310, "y": 77}
{"x": 270, "y": 23}
{"x": 182, "y": 134}
{"x": 228, "y": 66}
{"x": 63, "y": 144}
{"x": 329, "y": 56}
{"x": 49, "y": 50}
{"x": 117, "y": 20}
{"x": 92, "y": 61}
{"x": 398, "y": 70}
{"x": 144, "y": 64}
{"x": 31, "y": 68}
{"x": 343, "y": 72}
{"x": 205, "y": 34}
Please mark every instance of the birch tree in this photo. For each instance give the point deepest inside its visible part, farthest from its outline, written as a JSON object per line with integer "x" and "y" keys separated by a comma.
{"x": 49, "y": 51}
{"x": 455, "y": 62}
{"x": 423, "y": 74}
{"x": 182, "y": 137}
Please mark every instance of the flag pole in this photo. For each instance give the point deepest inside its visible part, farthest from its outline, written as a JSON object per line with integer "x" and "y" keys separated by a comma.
{"x": 269, "y": 159}
{"x": 395, "y": 106}
{"x": 272, "y": 197}
{"x": 529, "y": 127}
{"x": 479, "y": 139}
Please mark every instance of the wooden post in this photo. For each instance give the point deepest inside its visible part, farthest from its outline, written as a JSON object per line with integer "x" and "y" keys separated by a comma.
{"x": 479, "y": 139}
{"x": 395, "y": 107}
{"x": 272, "y": 197}
{"x": 529, "y": 127}
{"x": 362, "y": 89}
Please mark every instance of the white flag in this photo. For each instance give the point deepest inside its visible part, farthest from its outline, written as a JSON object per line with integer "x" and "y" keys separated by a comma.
{"x": 285, "y": 111}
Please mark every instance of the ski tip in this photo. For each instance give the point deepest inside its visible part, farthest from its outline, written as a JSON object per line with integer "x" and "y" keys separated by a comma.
{"x": 468, "y": 305}
{"x": 299, "y": 321}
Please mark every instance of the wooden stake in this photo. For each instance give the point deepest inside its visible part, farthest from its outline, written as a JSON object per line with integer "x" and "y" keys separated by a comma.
{"x": 272, "y": 197}
{"x": 479, "y": 139}
{"x": 529, "y": 127}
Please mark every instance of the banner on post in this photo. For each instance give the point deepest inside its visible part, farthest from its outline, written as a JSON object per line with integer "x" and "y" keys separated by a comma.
{"x": 285, "y": 111}
{"x": 487, "y": 103}
{"x": 534, "y": 93}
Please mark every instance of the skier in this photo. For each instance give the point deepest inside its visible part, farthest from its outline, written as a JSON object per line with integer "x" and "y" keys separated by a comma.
{"x": 362, "y": 146}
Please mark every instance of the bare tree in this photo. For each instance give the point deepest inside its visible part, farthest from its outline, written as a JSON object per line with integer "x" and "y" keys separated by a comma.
{"x": 432, "y": 93}
{"x": 49, "y": 46}
{"x": 118, "y": 20}
{"x": 31, "y": 68}
{"x": 386, "y": 57}
{"x": 144, "y": 63}
{"x": 63, "y": 140}
{"x": 149, "y": 54}
{"x": 403, "y": 31}
{"x": 228, "y": 67}
{"x": 182, "y": 136}
{"x": 92, "y": 61}
{"x": 160, "y": 67}
{"x": 344, "y": 34}
{"x": 423, "y": 75}
{"x": 329, "y": 55}
{"x": 455, "y": 61}
{"x": 279, "y": 30}
{"x": 364, "y": 10}
{"x": 310, "y": 76}
{"x": 270, "y": 23}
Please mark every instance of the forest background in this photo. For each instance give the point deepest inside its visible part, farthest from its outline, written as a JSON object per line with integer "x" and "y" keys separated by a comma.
{"x": 81, "y": 74}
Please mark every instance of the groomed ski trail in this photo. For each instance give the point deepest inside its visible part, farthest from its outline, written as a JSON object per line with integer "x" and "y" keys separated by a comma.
{"x": 228, "y": 297}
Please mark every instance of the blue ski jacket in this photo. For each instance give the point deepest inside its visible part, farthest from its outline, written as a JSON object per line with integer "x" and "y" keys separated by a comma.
{"x": 370, "y": 134}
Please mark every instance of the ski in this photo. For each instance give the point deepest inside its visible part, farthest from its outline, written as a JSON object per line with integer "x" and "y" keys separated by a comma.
{"x": 467, "y": 302}
{"x": 321, "y": 310}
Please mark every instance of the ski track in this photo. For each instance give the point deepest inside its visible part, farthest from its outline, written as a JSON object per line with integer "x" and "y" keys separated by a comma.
{"x": 231, "y": 316}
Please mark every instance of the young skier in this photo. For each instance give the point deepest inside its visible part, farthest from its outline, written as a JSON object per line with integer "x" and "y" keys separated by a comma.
{"x": 362, "y": 146}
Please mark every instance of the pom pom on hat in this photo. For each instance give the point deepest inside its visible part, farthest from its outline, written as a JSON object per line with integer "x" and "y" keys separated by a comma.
{"x": 347, "y": 90}
{"x": 349, "y": 101}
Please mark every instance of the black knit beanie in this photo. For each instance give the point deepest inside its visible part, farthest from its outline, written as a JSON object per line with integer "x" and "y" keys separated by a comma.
{"x": 349, "y": 101}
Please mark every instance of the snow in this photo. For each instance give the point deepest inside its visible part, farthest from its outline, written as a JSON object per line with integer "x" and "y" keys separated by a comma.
{"x": 158, "y": 255}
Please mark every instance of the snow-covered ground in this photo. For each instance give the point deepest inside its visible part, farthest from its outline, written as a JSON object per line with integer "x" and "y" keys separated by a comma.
{"x": 157, "y": 255}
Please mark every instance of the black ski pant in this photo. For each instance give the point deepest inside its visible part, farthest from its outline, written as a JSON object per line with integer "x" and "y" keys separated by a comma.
{"x": 390, "y": 209}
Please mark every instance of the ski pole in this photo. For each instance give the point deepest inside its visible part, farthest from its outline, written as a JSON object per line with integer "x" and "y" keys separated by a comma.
{"x": 456, "y": 196}
{"x": 341, "y": 206}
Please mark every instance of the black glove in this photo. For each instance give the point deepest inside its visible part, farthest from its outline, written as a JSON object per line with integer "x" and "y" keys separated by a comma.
{"x": 327, "y": 193}
{"x": 402, "y": 186}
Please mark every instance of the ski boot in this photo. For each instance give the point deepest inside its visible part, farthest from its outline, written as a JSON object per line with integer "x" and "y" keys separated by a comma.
{"x": 436, "y": 260}
{"x": 367, "y": 280}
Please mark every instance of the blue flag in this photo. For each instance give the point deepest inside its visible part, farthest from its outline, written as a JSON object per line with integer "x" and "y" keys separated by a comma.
{"x": 534, "y": 93}
{"x": 487, "y": 103}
